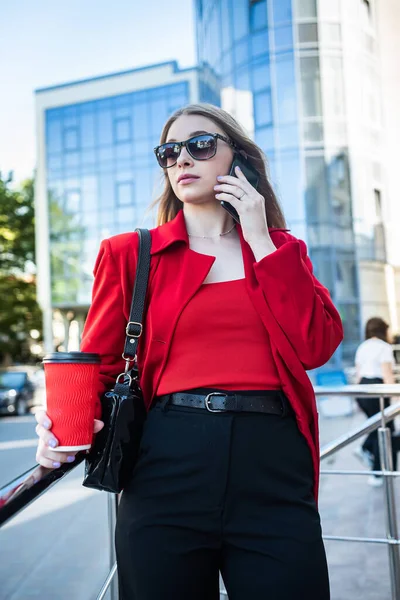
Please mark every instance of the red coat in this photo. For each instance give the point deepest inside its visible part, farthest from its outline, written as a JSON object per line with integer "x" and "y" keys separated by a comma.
{"x": 303, "y": 325}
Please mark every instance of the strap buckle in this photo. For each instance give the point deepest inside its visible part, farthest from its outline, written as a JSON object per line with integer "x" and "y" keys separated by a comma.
{"x": 134, "y": 335}
{"x": 207, "y": 402}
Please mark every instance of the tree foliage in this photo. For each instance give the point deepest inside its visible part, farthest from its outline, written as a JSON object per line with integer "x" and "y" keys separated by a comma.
{"x": 19, "y": 312}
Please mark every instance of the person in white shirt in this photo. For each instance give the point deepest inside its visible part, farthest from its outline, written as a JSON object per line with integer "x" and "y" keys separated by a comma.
{"x": 374, "y": 364}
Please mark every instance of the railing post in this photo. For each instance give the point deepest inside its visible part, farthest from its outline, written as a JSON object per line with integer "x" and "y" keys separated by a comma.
{"x": 386, "y": 456}
{"x": 112, "y": 522}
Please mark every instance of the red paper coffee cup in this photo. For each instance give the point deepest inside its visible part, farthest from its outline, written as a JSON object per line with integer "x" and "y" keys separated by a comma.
{"x": 71, "y": 394}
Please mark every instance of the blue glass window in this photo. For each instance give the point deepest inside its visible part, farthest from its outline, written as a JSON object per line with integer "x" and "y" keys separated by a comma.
{"x": 71, "y": 159}
{"x": 105, "y": 154}
{"x": 282, "y": 10}
{"x": 225, "y": 25}
{"x": 258, "y": 14}
{"x": 72, "y": 201}
{"x": 123, "y": 151}
{"x": 88, "y": 157}
{"x": 227, "y": 64}
{"x": 90, "y": 198}
{"x": 239, "y": 11}
{"x": 53, "y": 135}
{"x": 106, "y": 191}
{"x": 261, "y": 76}
{"x": 70, "y": 138}
{"x": 140, "y": 121}
{"x": 125, "y": 216}
{"x": 54, "y": 162}
{"x": 158, "y": 116}
{"x": 124, "y": 193}
{"x": 286, "y": 90}
{"x": 263, "y": 108}
{"x": 288, "y": 136}
{"x": 122, "y": 129}
{"x": 88, "y": 139}
{"x": 242, "y": 78}
{"x": 241, "y": 52}
{"x": 290, "y": 186}
{"x": 283, "y": 37}
{"x": 104, "y": 127}
{"x": 260, "y": 43}
{"x": 264, "y": 137}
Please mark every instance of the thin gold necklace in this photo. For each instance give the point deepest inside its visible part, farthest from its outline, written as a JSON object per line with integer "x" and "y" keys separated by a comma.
{"x": 209, "y": 237}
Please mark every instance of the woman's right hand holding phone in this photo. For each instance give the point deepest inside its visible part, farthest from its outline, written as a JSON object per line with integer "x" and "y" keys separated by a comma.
{"x": 45, "y": 454}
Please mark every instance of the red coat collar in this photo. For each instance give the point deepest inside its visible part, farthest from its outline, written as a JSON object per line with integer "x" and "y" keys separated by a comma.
{"x": 175, "y": 231}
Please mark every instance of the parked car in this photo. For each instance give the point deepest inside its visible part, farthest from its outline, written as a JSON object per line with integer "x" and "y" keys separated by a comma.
{"x": 17, "y": 391}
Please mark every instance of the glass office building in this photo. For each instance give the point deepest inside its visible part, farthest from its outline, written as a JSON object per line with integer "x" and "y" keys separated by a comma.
{"x": 97, "y": 172}
{"x": 288, "y": 71}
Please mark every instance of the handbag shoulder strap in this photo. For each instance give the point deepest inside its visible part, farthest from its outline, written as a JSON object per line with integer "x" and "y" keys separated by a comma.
{"x": 135, "y": 326}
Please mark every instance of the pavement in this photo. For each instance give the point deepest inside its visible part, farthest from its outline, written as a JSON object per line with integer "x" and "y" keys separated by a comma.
{"x": 58, "y": 547}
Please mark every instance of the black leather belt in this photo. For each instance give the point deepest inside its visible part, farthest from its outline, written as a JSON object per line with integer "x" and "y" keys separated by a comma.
{"x": 271, "y": 402}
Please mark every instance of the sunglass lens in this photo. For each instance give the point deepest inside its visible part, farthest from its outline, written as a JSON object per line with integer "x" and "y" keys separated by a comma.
{"x": 167, "y": 155}
{"x": 202, "y": 147}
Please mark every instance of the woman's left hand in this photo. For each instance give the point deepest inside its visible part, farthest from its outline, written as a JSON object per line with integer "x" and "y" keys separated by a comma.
{"x": 249, "y": 204}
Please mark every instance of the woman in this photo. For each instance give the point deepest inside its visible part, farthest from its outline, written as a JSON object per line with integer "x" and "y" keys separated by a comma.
{"x": 227, "y": 478}
{"x": 374, "y": 364}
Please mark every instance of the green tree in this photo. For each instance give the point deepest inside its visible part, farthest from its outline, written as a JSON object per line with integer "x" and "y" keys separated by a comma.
{"x": 19, "y": 313}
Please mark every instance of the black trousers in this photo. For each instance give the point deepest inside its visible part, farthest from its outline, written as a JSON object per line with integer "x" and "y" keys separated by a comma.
{"x": 229, "y": 492}
{"x": 370, "y": 407}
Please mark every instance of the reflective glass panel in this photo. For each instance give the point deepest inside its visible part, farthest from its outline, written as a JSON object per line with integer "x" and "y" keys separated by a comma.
{"x": 260, "y": 43}
{"x": 261, "y": 76}
{"x": 263, "y": 108}
{"x": 258, "y": 15}
{"x": 286, "y": 89}
{"x": 87, "y": 122}
{"x": 104, "y": 127}
{"x": 124, "y": 193}
{"x": 242, "y": 52}
{"x": 70, "y": 138}
{"x": 283, "y": 37}
{"x": 225, "y": 24}
{"x": 282, "y": 10}
{"x": 311, "y": 86}
{"x": 264, "y": 137}
{"x": 123, "y": 131}
{"x": 306, "y": 9}
{"x": 53, "y": 135}
{"x": 307, "y": 33}
{"x": 240, "y": 17}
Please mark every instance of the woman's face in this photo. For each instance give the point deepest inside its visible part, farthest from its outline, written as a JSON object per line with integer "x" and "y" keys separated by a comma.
{"x": 200, "y": 189}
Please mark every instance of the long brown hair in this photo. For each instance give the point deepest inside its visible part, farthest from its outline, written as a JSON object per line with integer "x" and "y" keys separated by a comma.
{"x": 169, "y": 205}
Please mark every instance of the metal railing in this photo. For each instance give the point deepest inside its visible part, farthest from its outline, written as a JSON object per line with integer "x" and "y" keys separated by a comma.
{"x": 18, "y": 494}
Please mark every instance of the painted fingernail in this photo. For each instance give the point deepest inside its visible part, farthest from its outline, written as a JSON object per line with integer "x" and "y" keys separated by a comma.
{"x": 220, "y": 177}
{"x": 56, "y": 464}
{"x": 46, "y": 423}
{"x": 70, "y": 459}
{"x": 52, "y": 443}
{"x": 238, "y": 168}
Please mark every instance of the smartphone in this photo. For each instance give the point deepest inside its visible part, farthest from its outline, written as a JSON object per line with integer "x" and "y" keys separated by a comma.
{"x": 251, "y": 175}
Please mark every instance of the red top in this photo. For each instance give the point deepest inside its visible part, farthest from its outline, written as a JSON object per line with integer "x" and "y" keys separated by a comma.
{"x": 220, "y": 342}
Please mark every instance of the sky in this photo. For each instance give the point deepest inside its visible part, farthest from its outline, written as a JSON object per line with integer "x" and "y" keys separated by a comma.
{"x": 46, "y": 42}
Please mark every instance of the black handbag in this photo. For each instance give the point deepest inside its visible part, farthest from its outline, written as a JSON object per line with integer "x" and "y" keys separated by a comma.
{"x": 111, "y": 460}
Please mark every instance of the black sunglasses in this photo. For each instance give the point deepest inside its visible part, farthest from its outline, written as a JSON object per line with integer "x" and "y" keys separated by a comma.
{"x": 200, "y": 147}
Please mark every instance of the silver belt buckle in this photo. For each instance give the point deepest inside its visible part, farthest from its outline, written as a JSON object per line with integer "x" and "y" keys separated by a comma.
{"x": 207, "y": 402}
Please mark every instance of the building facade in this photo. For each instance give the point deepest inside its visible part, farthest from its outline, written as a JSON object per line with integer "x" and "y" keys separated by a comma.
{"x": 97, "y": 174}
{"x": 304, "y": 78}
